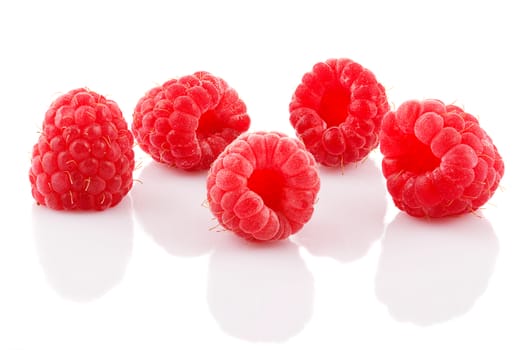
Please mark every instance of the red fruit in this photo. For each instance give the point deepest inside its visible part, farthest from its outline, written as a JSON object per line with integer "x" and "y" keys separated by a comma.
{"x": 263, "y": 186}
{"x": 337, "y": 111}
{"x": 187, "y": 122}
{"x": 438, "y": 161}
{"x": 83, "y": 158}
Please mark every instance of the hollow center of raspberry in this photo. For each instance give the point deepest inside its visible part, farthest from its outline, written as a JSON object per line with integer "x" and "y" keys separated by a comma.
{"x": 209, "y": 124}
{"x": 418, "y": 157}
{"x": 268, "y": 183}
{"x": 334, "y": 105}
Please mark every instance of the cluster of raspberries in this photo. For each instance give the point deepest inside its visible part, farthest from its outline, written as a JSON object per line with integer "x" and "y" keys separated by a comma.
{"x": 262, "y": 186}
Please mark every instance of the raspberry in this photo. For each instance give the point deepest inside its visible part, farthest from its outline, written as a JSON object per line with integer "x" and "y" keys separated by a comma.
{"x": 263, "y": 186}
{"x": 438, "y": 161}
{"x": 187, "y": 122}
{"x": 83, "y": 158}
{"x": 337, "y": 110}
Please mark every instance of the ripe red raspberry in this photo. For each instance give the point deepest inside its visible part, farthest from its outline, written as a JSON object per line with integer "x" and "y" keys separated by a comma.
{"x": 187, "y": 122}
{"x": 83, "y": 158}
{"x": 263, "y": 186}
{"x": 337, "y": 110}
{"x": 438, "y": 161}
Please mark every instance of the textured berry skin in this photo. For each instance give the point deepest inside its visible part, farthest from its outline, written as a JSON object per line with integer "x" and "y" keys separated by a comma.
{"x": 83, "y": 159}
{"x": 438, "y": 161}
{"x": 337, "y": 110}
{"x": 187, "y": 122}
{"x": 263, "y": 186}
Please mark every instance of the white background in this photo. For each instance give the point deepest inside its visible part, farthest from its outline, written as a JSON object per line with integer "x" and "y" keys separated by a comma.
{"x": 150, "y": 274}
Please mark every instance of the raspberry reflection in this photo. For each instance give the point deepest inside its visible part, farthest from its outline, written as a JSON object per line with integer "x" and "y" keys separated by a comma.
{"x": 432, "y": 271}
{"x": 84, "y": 254}
{"x": 260, "y": 292}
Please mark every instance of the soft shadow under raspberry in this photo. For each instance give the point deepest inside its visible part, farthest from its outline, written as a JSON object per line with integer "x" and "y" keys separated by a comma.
{"x": 431, "y": 271}
{"x": 170, "y": 204}
{"x": 348, "y": 218}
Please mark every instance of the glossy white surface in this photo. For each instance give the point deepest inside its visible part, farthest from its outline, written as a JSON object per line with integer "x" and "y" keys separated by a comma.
{"x": 154, "y": 273}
